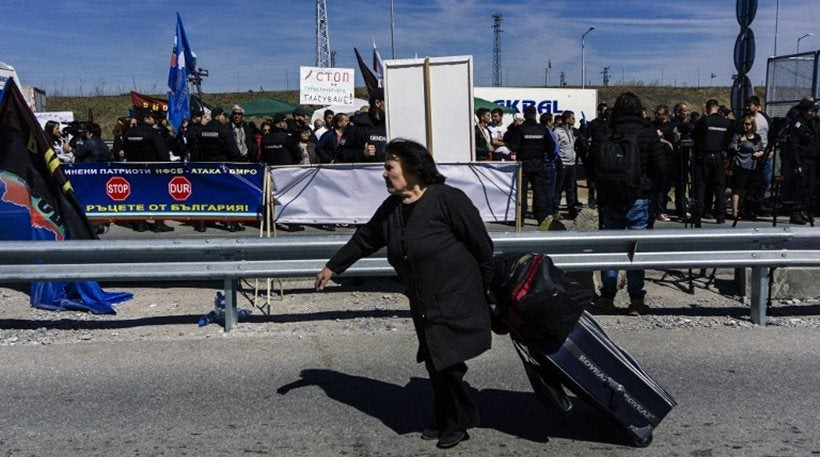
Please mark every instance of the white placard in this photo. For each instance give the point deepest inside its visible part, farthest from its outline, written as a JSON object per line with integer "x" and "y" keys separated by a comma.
{"x": 450, "y": 109}
{"x": 325, "y": 86}
{"x": 63, "y": 117}
{"x": 545, "y": 99}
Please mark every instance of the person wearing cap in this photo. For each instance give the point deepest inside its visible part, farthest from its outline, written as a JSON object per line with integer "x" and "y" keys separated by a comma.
{"x": 279, "y": 146}
{"x": 215, "y": 144}
{"x": 192, "y": 135}
{"x": 365, "y": 140}
{"x": 242, "y": 135}
{"x": 799, "y": 163}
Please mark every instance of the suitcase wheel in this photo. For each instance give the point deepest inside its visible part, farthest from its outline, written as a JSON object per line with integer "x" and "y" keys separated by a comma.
{"x": 638, "y": 442}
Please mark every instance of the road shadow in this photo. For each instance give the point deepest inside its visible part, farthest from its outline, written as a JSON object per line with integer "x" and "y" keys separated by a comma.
{"x": 408, "y": 409}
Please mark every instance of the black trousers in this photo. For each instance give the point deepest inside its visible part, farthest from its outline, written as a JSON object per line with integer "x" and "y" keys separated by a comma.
{"x": 799, "y": 189}
{"x": 452, "y": 406}
{"x": 710, "y": 176}
{"x": 566, "y": 184}
{"x": 533, "y": 172}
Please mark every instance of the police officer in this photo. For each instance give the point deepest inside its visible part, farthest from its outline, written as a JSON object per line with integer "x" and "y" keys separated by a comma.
{"x": 215, "y": 144}
{"x": 679, "y": 174}
{"x": 711, "y": 136}
{"x": 531, "y": 148}
{"x": 144, "y": 143}
{"x": 279, "y": 146}
{"x": 799, "y": 163}
{"x": 192, "y": 135}
{"x": 365, "y": 140}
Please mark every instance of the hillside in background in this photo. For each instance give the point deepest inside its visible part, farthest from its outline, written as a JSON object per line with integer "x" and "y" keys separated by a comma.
{"x": 106, "y": 109}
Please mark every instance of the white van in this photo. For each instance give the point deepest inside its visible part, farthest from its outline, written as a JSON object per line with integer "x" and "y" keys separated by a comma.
{"x": 6, "y": 72}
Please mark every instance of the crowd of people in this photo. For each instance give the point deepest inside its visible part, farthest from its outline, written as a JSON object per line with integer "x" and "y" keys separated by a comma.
{"x": 682, "y": 153}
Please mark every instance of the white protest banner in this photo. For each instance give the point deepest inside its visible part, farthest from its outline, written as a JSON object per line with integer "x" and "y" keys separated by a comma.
{"x": 325, "y": 86}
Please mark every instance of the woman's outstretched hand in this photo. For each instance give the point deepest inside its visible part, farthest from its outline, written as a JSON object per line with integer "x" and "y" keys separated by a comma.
{"x": 323, "y": 277}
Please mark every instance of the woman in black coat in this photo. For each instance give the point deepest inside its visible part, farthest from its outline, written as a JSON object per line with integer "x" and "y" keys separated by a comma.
{"x": 440, "y": 249}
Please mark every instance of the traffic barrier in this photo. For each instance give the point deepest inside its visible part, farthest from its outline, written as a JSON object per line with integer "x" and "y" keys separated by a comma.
{"x": 225, "y": 259}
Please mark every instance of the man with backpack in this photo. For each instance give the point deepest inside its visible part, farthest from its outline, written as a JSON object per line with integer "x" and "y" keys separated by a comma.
{"x": 629, "y": 166}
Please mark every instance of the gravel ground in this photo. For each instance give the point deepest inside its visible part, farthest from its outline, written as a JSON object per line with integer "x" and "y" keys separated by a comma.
{"x": 376, "y": 305}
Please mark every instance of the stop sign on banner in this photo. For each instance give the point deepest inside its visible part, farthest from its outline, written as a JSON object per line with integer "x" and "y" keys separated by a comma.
{"x": 118, "y": 188}
{"x": 179, "y": 188}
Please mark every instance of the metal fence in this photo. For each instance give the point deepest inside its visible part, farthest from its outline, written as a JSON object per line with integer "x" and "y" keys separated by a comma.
{"x": 229, "y": 260}
{"x": 789, "y": 79}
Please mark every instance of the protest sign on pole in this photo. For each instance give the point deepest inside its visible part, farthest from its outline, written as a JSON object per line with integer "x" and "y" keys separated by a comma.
{"x": 325, "y": 86}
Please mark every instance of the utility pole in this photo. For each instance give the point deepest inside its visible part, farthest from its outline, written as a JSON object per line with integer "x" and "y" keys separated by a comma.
{"x": 563, "y": 80}
{"x": 323, "y": 55}
{"x": 497, "y": 49}
{"x": 547, "y": 73}
{"x": 606, "y": 76}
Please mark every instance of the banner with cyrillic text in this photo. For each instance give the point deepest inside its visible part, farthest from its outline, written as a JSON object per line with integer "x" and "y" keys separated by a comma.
{"x": 170, "y": 190}
{"x": 351, "y": 193}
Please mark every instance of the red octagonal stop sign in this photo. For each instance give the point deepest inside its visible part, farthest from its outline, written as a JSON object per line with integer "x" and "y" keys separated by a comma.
{"x": 118, "y": 188}
{"x": 179, "y": 188}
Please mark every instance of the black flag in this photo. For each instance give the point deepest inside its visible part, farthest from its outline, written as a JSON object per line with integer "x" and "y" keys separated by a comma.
{"x": 25, "y": 152}
{"x": 370, "y": 79}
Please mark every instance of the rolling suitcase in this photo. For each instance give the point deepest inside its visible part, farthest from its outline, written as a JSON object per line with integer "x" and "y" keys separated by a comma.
{"x": 605, "y": 376}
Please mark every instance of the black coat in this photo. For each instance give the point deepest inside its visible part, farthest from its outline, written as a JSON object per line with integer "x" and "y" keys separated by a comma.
{"x": 444, "y": 258}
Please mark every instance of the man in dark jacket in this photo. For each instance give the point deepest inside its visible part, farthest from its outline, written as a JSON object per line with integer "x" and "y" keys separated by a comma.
{"x": 93, "y": 148}
{"x": 215, "y": 144}
{"x": 192, "y": 135}
{"x": 628, "y": 120}
{"x": 711, "y": 137}
{"x": 365, "y": 140}
{"x": 144, "y": 143}
{"x": 529, "y": 141}
{"x": 597, "y": 129}
{"x": 279, "y": 146}
{"x": 799, "y": 163}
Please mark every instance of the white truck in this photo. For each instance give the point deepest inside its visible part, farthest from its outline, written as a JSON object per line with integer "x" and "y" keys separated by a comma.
{"x": 35, "y": 97}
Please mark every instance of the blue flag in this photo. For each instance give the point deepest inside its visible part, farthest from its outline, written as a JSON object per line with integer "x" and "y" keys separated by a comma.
{"x": 183, "y": 61}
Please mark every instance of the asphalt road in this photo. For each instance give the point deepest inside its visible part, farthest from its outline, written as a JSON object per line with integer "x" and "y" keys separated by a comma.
{"x": 750, "y": 392}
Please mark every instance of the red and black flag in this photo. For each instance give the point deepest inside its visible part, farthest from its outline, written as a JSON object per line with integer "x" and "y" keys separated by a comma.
{"x": 26, "y": 153}
{"x": 370, "y": 78}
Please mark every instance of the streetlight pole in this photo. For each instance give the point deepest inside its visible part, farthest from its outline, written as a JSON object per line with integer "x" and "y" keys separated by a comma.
{"x": 798, "y": 40}
{"x": 392, "y": 30}
{"x": 776, "y": 23}
{"x": 583, "y": 67}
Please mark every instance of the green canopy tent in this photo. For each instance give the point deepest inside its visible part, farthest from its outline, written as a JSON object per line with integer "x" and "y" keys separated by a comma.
{"x": 481, "y": 103}
{"x": 267, "y": 107}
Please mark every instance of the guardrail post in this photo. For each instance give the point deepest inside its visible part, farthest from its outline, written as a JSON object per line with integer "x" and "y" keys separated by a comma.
{"x": 760, "y": 292}
{"x": 230, "y": 304}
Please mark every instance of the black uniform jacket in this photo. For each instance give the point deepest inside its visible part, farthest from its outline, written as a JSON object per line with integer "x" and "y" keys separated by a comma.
{"x": 444, "y": 258}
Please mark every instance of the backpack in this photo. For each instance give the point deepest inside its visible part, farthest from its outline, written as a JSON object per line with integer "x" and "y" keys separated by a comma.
{"x": 618, "y": 173}
{"x": 538, "y": 299}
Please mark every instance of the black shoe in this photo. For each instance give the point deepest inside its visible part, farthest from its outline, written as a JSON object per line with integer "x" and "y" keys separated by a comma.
{"x": 160, "y": 226}
{"x": 200, "y": 227}
{"x": 720, "y": 220}
{"x": 592, "y": 204}
{"x": 141, "y": 226}
{"x": 798, "y": 219}
{"x": 296, "y": 228}
{"x": 234, "y": 227}
{"x": 430, "y": 433}
{"x": 451, "y": 439}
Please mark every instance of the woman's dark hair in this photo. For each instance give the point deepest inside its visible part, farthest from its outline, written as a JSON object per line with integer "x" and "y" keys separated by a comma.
{"x": 627, "y": 104}
{"x": 416, "y": 159}
{"x": 49, "y": 129}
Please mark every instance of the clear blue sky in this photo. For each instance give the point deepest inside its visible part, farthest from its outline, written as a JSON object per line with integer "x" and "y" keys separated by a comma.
{"x": 115, "y": 46}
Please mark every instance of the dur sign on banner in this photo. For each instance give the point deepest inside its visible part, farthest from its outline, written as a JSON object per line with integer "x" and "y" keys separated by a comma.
{"x": 325, "y": 86}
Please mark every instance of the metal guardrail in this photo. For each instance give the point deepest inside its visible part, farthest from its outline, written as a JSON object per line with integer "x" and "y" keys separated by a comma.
{"x": 197, "y": 259}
